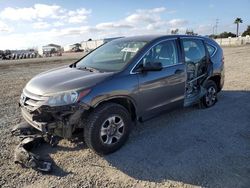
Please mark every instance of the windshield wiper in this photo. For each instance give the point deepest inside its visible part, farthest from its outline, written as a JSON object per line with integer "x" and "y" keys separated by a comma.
{"x": 90, "y": 69}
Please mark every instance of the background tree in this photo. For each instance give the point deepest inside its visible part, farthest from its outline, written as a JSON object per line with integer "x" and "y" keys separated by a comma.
{"x": 174, "y": 31}
{"x": 226, "y": 35}
{"x": 213, "y": 36}
{"x": 238, "y": 21}
{"x": 223, "y": 35}
{"x": 190, "y": 32}
{"x": 247, "y": 31}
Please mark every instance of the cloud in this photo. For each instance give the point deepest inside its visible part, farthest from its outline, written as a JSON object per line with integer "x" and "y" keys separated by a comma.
{"x": 47, "y": 11}
{"x": 78, "y": 16}
{"x": 63, "y": 26}
{"x": 58, "y": 24}
{"x": 77, "y": 19}
{"x": 157, "y": 25}
{"x": 145, "y": 15}
{"x": 76, "y": 31}
{"x": 17, "y": 14}
{"x": 204, "y": 29}
{"x": 40, "y": 12}
{"x": 166, "y": 25}
{"x": 41, "y": 25}
{"x": 58, "y": 36}
{"x": 139, "y": 18}
{"x": 113, "y": 25}
{"x": 152, "y": 11}
{"x": 4, "y": 27}
{"x": 177, "y": 22}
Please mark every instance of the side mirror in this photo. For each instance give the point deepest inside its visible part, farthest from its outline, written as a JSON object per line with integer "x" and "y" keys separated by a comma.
{"x": 150, "y": 66}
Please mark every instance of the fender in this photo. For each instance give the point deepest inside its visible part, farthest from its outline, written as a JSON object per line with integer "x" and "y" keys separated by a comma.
{"x": 117, "y": 97}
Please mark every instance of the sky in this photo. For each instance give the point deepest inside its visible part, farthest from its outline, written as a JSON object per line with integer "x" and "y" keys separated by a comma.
{"x": 28, "y": 24}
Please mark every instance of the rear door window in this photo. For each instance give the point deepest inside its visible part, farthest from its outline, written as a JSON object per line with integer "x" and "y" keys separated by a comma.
{"x": 194, "y": 50}
{"x": 211, "y": 49}
{"x": 164, "y": 52}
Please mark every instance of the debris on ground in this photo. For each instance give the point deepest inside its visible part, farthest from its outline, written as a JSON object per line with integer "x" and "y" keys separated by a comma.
{"x": 29, "y": 139}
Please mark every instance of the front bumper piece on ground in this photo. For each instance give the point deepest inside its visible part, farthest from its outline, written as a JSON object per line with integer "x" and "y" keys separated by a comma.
{"x": 30, "y": 139}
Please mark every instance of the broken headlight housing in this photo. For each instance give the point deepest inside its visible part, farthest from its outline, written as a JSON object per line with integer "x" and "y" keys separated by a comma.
{"x": 65, "y": 98}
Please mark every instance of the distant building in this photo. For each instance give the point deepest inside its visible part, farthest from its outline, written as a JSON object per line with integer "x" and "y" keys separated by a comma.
{"x": 50, "y": 50}
{"x": 93, "y": 44}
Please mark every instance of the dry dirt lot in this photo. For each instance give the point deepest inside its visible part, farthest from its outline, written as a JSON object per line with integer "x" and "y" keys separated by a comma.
{"x": 184, "y": 148}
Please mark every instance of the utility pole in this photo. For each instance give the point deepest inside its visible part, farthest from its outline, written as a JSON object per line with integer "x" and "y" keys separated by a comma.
{"x": 216, "y": 26}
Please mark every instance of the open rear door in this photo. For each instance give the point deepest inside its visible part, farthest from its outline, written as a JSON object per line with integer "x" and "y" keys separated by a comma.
{"x": 198, "y": 68}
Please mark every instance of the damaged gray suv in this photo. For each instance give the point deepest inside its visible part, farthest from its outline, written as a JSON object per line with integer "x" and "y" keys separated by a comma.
{"x": 121, "y": 82}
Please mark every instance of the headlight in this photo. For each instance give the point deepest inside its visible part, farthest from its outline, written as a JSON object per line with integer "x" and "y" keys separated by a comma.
{"x": 66, "y": 98}
{"x": 62, "y": 99}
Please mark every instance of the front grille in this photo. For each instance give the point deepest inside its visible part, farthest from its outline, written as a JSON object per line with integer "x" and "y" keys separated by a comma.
{"x": 29, "y": 118}
{"x": 31, "y": 101}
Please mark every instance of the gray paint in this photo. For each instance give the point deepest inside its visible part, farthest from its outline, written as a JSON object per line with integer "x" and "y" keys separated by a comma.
{"x": 149, "y": 92}
{"x": 64, "y": 79}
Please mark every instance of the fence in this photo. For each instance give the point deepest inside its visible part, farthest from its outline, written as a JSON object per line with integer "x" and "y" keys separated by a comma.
{"x": 238, "y": 41}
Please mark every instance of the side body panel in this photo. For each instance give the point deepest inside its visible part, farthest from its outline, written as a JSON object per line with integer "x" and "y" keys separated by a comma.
{"x": 163, "y": 90}
{"x": 118, "y": 86}
{"x": 218, "y": 61}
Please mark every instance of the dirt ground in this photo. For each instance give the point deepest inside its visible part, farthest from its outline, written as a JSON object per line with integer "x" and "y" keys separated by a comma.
{"x": 184, "y": 148}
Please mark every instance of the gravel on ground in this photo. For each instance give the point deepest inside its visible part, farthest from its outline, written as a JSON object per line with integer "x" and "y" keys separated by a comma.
{"x": 187, "y": 147}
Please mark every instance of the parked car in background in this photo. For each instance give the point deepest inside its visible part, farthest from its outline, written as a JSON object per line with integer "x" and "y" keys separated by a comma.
{"x": 18, "y": 54}
{"x": 1, "y": 54}
{"x": 123, "y": 81}
{"x": 5, "y": 55}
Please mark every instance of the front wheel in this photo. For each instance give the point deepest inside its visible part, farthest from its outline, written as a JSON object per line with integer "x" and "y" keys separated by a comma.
{"x": 107, "y": 128}
{"x": 210, "y": 98}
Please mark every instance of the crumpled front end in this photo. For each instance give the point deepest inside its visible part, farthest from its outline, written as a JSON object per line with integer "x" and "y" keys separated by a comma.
{"x": 58, "y": 120}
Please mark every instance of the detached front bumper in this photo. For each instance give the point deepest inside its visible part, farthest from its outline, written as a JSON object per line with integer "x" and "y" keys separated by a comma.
{"x": 58, "y": 121}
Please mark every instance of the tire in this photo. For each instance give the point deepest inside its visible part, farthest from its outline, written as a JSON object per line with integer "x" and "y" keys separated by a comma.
{"x": 210, "y": 98}
{"x": 107, "y": 128}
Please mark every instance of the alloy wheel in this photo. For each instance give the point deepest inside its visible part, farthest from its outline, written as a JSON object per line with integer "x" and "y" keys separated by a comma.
{"x": 211, "y": 96}
{"x": 112, "y": 130}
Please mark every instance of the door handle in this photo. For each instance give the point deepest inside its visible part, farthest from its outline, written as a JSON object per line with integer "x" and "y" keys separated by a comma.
{"x": 179, "y": 71}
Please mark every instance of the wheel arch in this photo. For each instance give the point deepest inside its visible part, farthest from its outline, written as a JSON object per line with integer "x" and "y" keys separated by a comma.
{"x": 217, "y": 80}
{"x": 124, "y": 101}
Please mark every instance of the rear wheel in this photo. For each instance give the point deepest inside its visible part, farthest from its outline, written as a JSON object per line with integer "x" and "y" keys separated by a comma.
{"x": 210, "y": 98}
{"x": 107, "y": 128}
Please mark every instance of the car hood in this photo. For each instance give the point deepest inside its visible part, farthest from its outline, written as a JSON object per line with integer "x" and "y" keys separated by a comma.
{"x": 64, "y": 79}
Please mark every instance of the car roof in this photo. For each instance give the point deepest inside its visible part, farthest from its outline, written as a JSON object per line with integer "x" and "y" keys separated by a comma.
{"x": 149, "y": 38}
{"x": 152, "y": 38}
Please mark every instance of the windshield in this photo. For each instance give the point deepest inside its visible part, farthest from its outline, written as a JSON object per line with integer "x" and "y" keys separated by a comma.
{"x": 112, "y": 56}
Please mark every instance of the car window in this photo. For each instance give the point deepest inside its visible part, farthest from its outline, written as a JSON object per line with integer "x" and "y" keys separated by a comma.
{"x": 194, "y": 50}
{"x": 211, "y": 49}
{"x": 112, "y": 56}
{"x": 165, "y": 53}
